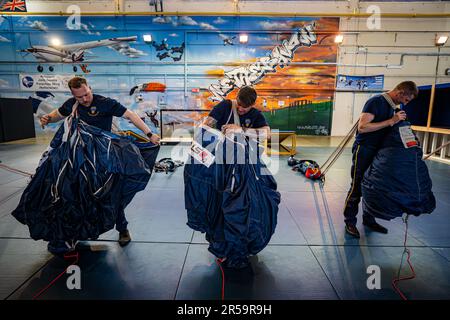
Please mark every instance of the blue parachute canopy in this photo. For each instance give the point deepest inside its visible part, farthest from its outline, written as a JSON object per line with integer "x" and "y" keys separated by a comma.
{"x": 82, "y": 181}
{"x": 397, "y": 181}
{"x": 230, "y": 195}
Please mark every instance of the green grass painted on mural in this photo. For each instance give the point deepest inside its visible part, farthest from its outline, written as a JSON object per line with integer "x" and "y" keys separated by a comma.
{"x": 310, "y": 119}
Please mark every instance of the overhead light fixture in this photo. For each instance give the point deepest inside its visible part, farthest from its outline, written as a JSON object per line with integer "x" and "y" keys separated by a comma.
{"x": 56, "y": 42}
{"x": 339, "y": 38}
{"x": 243, "y": 38}
{"x": 147, "y": 38}
{"x": 441, "y": 40}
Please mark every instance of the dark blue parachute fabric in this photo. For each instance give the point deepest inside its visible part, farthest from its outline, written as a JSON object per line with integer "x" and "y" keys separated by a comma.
{"x": 397, "y": 181}
{"x": 83, "y": 179}
{"x": 234, "y": 202}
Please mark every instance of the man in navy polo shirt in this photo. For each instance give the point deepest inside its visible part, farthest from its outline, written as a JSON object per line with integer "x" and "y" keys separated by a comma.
{"x": 98, "y": 111}
{"x": 253, "y": 123}
{"x": 221, "y": 116}
{"x": 377, "y": 116}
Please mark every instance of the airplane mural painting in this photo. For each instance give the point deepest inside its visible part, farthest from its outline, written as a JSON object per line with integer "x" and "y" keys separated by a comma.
{"x": 187, "y": 53}
{"x": 75, "y": 52}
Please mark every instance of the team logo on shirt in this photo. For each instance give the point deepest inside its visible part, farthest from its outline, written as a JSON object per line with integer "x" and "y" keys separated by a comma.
{"x": 248, "y": 123}
{"x": 93, "y": 111}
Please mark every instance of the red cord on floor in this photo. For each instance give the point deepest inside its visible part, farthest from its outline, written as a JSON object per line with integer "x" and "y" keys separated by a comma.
{"x": 219, "y": 263}
{"x": 67, "y": 256}
{"x": 413, "y": 273}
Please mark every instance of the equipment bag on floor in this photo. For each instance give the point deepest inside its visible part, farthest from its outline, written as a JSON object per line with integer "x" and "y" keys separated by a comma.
{"x": 83, "y": 179}
{"x": 230, "y": 195}
{"x": 309, "y": 168}
{"x": 397, "y": 181}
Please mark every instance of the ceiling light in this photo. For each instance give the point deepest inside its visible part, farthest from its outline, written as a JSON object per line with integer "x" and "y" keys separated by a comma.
{"x": 147, "y": 38}
{"x": 339, "y": 38}
{"x": 441, "y": 40}
{"x": 55, "y": 42}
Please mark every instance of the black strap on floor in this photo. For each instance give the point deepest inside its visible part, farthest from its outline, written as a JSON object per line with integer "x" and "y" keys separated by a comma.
{"x": 167, "y": 165}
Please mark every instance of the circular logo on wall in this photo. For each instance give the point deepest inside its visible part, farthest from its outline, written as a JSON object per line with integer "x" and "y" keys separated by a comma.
{"x": 27, "y": 81}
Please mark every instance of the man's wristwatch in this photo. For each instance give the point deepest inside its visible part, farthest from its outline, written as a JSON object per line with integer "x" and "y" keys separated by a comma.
{"x": 149, "y": 135}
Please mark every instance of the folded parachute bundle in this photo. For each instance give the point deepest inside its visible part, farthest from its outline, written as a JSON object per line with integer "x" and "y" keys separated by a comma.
{"x": 230, "y": 195}
{"x": 397, "y": 181}
{"x": 83, "y": 179}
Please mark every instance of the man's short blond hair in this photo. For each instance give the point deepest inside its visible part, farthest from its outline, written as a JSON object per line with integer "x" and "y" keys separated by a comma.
{"x": 77, "y": 82}
{"x": 408, "y": 87}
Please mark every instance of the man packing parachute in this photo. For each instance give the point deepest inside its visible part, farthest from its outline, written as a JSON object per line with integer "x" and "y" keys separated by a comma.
{"x": 88, "y": 175}
{"x": 229, "y": 193}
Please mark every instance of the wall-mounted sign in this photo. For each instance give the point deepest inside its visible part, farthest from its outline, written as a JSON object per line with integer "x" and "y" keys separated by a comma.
{"x": 359, "y": 83}
{"x": 44, "y": 82}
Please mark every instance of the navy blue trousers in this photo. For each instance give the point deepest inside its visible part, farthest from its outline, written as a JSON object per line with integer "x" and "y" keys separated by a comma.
{"x": 121, "y": 221}
{"x": 361, "y": 159}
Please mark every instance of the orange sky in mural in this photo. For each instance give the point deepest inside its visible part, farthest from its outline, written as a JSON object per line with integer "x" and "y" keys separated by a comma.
{"x": 313, "y": 82}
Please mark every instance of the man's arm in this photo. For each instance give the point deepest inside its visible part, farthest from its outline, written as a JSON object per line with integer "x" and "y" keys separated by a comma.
{"x": 137, "y": 121}
{"x": 365, "y": 122}
{"x": 210, "y": 122}
{"x": 53, "y": 116}
{"x": 262, "y": 132}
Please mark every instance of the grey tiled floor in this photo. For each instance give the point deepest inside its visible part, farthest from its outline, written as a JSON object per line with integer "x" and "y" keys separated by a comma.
{"x": 309, "y": 256}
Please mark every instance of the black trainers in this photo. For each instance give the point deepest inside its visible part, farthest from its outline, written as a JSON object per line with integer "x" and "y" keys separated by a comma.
{"x": 124, "y": 238}
{"x": 374, "y": 226}
{"x": 352, "y": 230}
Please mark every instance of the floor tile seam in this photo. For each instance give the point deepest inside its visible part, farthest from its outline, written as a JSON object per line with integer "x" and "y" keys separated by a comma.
{"x": 182, "y": 268}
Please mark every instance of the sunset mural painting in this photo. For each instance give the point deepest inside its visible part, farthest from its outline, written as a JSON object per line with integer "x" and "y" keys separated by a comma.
{"x": 291, "y": 61}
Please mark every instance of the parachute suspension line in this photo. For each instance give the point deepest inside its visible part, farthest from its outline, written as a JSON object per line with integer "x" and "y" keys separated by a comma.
{"x": 233, "y": 179}
{"x": 406, "y": 251}
{"x": 219, "y": 263}
{"x": 338, "y": 151}
{"x": 436, "y": 150}
{"x": 341, "y": 144}
{"x": 67, "y": 256}
{"x": 23, "y": 173}
{"x": 109, "y": 149}
{"x": 417, "y": 179}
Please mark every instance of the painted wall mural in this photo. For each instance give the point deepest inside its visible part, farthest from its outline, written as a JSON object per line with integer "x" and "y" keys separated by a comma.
{"x": 188, "y": 65}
